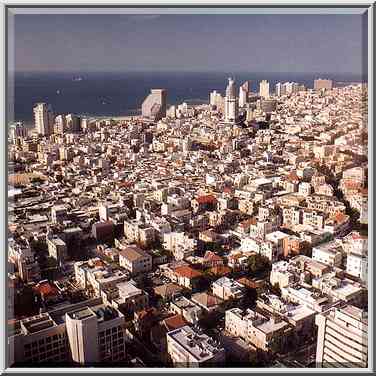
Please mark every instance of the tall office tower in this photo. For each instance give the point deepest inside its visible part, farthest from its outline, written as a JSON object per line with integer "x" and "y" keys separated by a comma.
{"x": 278, "y": 89}
{"x": 289, "y": 87}
{"x": 247, "y": 86}
{"x": 321, "y": 83}
{"x": 155, "y": 104}
{"x": 231, "y": 105}
{"x": 342, "y": 338}
{"x": 60, "y": 124}
{"x": 73, "y": 123}
{"x": 295, "y": 87}
{"x": 243, "y": 93}
{"x": 43, "y": 118}
{"x": 264, "y": 89}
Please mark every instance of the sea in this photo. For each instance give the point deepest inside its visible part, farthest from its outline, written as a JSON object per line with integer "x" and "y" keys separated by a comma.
{"x": 121, "y": 94}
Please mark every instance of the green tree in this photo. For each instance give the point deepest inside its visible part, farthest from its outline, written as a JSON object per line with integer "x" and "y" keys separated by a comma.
{"x": 258, "y": 264}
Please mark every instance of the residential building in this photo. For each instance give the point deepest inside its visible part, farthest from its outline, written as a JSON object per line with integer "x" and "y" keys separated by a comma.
{"x": 189, "y": 348}
{"x": 135, "y": 260}
{"x": 342, "y": 339}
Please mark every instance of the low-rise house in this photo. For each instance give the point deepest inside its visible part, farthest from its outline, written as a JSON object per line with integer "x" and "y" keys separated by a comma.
{"x": 208, "y": 302}
{"x": 328, "y": 253}
{"x": 226, "y": 288}
{"x": 126, "y": 297}
{"x": 187, "y": 308}
{"x": 135, "y": 260}
{"x": 268, "y": 334}
{"x": 189, "y": 348}
{"x": 187, "y": 277}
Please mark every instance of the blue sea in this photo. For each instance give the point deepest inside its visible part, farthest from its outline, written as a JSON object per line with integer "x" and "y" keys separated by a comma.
{"x": 121, "y": 94}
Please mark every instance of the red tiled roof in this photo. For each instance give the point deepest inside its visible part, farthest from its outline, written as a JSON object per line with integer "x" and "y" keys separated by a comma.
{"x": 187, "y": 272}
{"x": 220, "y": 270}
{"x": 46, "y": 289}
{"x": 174, "y": 322}
{"x": 340, "y": 217}
{"x": 208, "y": 199}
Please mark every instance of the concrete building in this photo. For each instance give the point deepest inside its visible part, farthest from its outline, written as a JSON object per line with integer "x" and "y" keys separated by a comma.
{"x": 231, "y": 103}
{"x": 342, "y": 339}
{"x": 328, "y": 253}
{"x": 57, "y": 249}
{"x": 155, "y": 104}
{"x": 185, "y": 307}
{"x": 265, "y": 333}
{"x": 85, "y": 333}
{"x": 226, "y": 288}
{"x": 58, "y": 213}
{"x": 188, "y": 347}
{"x": 17, "y": 130}
{"x": 243, "y": 96}
{"x": 264, "y": 89}
{"x": 126, "y": 297}
{"x": 73, "y": 123}
{"x": 43, "y": 119}
{"x": 321, "y": 83}
{"x": 216, "y": 100}
{"x": 357, "y": 266}
{"x": 135, "y": 260}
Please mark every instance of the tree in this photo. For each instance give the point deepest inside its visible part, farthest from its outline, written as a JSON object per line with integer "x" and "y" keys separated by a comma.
{"x": 258, "y": 264}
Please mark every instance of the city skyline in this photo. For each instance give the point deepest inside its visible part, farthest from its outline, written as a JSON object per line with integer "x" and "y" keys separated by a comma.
{"x": 190, "y": 42}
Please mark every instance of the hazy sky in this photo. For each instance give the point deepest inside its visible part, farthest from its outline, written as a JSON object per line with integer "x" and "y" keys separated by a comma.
{"x": 258, "y": 43}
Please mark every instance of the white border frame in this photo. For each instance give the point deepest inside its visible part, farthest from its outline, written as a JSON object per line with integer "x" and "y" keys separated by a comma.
{"x": 333, "y": 7}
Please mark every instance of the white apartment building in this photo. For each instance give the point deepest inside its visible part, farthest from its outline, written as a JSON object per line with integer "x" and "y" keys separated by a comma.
{"x": 281, "y": 275}
{"x": 265, "y": 333}
{"x": 189, "y": 348}
{"x": 226, "y": 288}
{"x": 43, "y": 119}
{"x": 126, "y": 296}
{"x": 328, "y": 253}
{"x": 135, "y": 260}
{"x": 88, "y": 332}
{"x": 357, "y": 266}
{"x": 180, "y": 244}
{"x": 342, "y": 339}
{"x": 264, "y": 89}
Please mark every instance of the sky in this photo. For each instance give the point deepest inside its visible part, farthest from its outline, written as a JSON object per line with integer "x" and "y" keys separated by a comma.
{"x": 244, "y": 43}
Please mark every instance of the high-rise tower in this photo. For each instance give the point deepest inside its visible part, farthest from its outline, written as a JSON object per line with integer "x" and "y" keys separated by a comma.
{"x": 43, "y": 118}
{"x": 264, "y": 89}
{"x": 231, "y": 103}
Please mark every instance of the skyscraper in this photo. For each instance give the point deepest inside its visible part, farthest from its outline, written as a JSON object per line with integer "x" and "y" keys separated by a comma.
{"x": 246, "y": 86}
{"x": 73, "y": 123}
{"x": 231, "y": 105}
{"x": 155, "y": 104}
{"x": 264, "y": 89}
{"x": 278, "y": 89}
{"x": 43, "y": 118}
{"x": 243, "y": 93}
